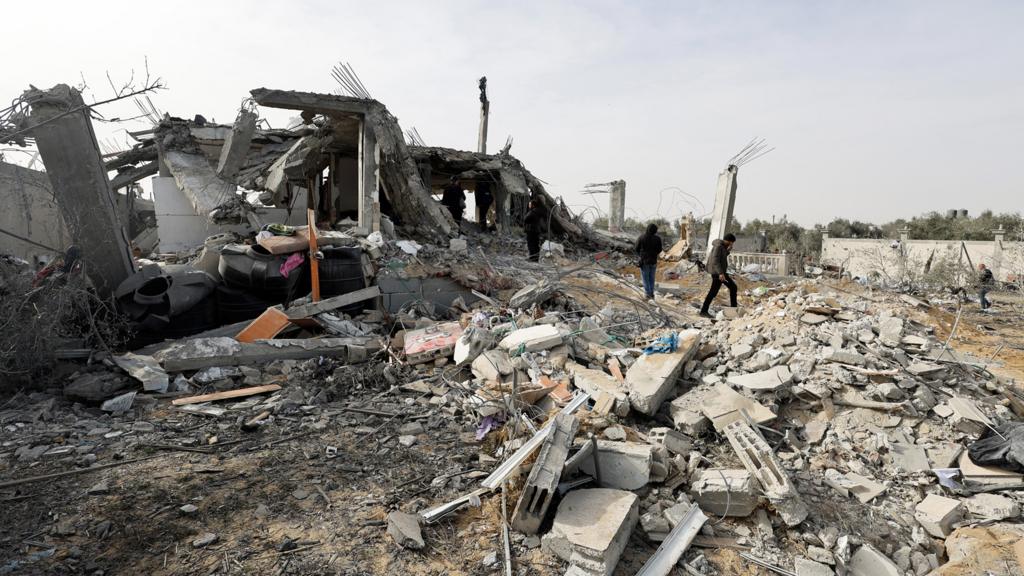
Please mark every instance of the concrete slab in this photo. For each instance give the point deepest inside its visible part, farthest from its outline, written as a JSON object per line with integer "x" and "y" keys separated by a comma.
{"x": 771, "y": 379}
{"x": 724, "y": 406}
{"x": 652, "y": 377}
{"x": 910, "y": 457}
{"x": 592, "y": 528}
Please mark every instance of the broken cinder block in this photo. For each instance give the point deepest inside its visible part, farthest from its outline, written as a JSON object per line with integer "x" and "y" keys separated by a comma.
{"x": 725, "y": 492}
{"x": 758, "y": 458}
{"x": 542, "y": 484}
{"x": 623, "y": 465}
{"x": 937, "y": 514}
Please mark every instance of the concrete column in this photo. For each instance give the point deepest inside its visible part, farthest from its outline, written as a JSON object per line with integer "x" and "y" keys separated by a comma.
{"x": 725, "y": 200}
{"x": 67, "y": 145}
{"x": 485, "y": 111}
{"x": 997, "y": 251}
{"x": 369, "y": 160}
{"x": 617, "y": 206}
{"x": 236, "y": 145}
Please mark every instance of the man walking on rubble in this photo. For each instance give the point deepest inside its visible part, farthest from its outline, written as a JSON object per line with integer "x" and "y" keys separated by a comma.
{"x": 532, "y": 225}
{"x": 454, "y": 199}
{"x": 718, "y": 267}
{"x": 985, "y": 282}
{"x": 648, "y": 247}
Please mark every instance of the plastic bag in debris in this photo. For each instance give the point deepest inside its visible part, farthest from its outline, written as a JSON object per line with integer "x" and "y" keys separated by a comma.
{"x": 663, "y": 345}
{"x": 1003, "y": 450}
{"x": 759, "y": 291}
{"x": 410, "y": 247}
{"x": 376, "y": 238}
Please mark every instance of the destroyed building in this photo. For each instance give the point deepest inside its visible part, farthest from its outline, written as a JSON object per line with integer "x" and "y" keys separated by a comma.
{"x": 327, "y": 375}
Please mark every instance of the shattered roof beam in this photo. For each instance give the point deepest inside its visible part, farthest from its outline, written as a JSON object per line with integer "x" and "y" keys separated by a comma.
{"x": 326, "y": 104}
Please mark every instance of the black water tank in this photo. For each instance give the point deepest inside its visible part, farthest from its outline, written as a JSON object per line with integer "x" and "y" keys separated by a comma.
{"x": 341, "y": 272}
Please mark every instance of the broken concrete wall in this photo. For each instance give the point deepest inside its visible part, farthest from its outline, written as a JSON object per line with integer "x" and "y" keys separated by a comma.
{"x": 30, "y": 211}
{"x": 865, "y": 257}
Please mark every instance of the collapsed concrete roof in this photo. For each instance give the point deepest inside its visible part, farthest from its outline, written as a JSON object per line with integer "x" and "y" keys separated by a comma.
{"x": 210, "y": 162}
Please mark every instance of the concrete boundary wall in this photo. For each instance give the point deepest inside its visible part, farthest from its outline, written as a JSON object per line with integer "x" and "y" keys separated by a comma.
{"x": 863, "y": 257}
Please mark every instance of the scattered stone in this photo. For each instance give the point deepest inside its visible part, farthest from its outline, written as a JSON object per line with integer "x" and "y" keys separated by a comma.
{"x": 867, "y": 561}
{"x": 405, "y": 529}
{"x": 846, "y": 357}
{"x": 407, "y": 440}
{"x": 205, "y": 540}
{"x": 804, "y": 567}
{"x": 771, "y": 379}
{"x": 813, "y": 319}
{"x": 992, "y": 506}
{"x": 188, "y": 509}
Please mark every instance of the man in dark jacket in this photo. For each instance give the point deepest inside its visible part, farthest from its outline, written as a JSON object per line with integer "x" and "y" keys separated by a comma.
{"x": 718, "y": 267}
{"x": 454, "y": 198}
{"x": 484, "y": 198}
{"x": 648, "y": 247}
{"x": 985, "y": 282}
{"x": 532, "y": 226}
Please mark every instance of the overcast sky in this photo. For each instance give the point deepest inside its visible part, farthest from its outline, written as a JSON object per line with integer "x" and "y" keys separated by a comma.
{"x": 877, "y": 110}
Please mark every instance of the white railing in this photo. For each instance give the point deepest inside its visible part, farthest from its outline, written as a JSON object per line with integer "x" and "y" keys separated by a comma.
{"x": 769, "y": 263}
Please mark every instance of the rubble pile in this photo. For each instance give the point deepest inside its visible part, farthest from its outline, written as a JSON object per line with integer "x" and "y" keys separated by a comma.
{"x": 814, "y": 432}
{"x": 381, "y": 387}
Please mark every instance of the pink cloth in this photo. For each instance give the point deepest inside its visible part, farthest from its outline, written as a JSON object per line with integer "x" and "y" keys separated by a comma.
{"x": 293, "y": 262}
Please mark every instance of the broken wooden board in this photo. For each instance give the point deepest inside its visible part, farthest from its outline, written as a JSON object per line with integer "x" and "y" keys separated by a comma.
{"x": 241, "y": 392}
{"x": 265, "y": 326}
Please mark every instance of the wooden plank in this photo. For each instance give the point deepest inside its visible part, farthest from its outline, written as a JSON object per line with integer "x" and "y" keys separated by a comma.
{"x": 241, "y": 392}
{"x": 314, "y": 264}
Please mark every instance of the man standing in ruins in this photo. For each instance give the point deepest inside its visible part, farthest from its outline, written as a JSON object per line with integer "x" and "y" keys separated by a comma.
{"x": 985, "y": 282}
{"x": 718, "y": 267}
{"x": 532, "y": 226}
{"x": 454, "y": 199}
{"x": 648, "y": 247}
{"x": 484, "y": 199}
